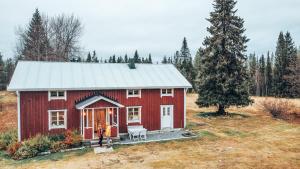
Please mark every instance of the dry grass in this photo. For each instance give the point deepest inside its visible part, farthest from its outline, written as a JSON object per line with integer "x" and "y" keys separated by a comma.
{"x": 250, "y": 138}
{"x": 8, "y": 110}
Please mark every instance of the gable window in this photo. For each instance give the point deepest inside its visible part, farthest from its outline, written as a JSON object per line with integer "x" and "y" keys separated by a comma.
{"x": 166, "y": 92}
{"x": 133, "y": 93}
{"x": 57, "y": 95}
{"x": 134, "y": 114}
{"x": 57, "y": 119}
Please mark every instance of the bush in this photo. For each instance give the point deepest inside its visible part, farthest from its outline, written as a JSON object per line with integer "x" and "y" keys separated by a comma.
{"x": 7, "y": 138}
{"x": 40, "y": 143}
{"x": 13, "y": 148}
{"x": 25, "y": 151}
{"x": 57, "y": 146}
{"x": 279, "y": 108}
{"x": 57, "y": 137}
{"x": 72, "y": 138}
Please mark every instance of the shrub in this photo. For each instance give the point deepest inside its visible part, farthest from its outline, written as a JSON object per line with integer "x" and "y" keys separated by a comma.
{"x": 58, "y": 145}
{"x": 72, "y": 138}
{"x": 278, "y": 107}
{"x": 57, "y": 137}
{"x": 7, "y": 138}
{"x": 40, "y": 143}
{"x": 13, "y": 148}
{"x": 25, "y": 151}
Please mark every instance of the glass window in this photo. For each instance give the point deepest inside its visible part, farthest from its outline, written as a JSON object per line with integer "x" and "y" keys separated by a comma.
{"x": 57, "y": 119}
{"x": 133, "y": 93}
{"x": 55, "y": 95}
{"x": 166, "y": 92}
{"x": 133, "y": 114}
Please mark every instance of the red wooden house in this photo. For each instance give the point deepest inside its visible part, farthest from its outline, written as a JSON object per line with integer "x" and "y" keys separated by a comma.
{"x": 54, "y": 96}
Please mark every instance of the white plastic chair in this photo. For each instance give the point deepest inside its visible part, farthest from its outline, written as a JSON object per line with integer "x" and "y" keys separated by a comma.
{"x": 135, "y": 135}
{"x": 143, "y": 134}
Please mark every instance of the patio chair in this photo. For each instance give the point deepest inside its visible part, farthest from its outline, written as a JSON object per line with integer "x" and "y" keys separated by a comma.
{"x": 143, "y": 134}
{"x": 135, "y": 135}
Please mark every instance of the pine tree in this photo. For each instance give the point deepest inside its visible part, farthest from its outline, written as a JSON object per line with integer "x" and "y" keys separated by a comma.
{"x": 2, "y": 73}
{"x": 262, "y": 78}
{"x": 114, "y": 59}
{"x": 164, "y": 61}
{"x": 131, "y": 64}
{"x": 269, "y": 77}
{"x": 9, "y": 69}
{"x": 126, "y": 58}
{"x": 290, "y": 74}
{"x": 89, "y": 57}
{"x": 224, "y": 79}
{"x": 94, "y": 57}
{"x": 252, "y": 74}
{"x": 150, "y": 58}
{"x": 36, "y": 42}
{"x": 136, "y": 57}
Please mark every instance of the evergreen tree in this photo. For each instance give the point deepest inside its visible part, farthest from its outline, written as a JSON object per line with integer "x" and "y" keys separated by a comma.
{"x": 150, "y": 58}
{"x": 9, "y": 69}
{"x": 126, "y": 58}
{"x": 290, "y": 74}
{"x": 136, "y": 57}
{"x": 164, "y": 61}
{"x": 131, "y": 64}
{"x": 2, "y": 73}
{"x": 94, "y": 57}
{"x": 197, "y": 60}
{"x": 269, "y": 77}
{"x": 262, "y": 78}
{"x": 36, "y": 43}
{"x": 114, "y": 59}
{"x": 224, "y": 79}
{"x": 89, "y": 57}
{"x": 252, "y": 74}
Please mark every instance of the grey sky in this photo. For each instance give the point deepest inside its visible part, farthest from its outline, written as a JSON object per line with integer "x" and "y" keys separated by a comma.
{"x": 156, "y": 26}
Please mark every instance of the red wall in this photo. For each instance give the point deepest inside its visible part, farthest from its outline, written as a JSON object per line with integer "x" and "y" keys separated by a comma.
{"x": 34, "y": 108}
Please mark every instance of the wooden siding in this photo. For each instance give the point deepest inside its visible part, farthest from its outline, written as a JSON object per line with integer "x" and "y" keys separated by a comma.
{"x": 34, "y": 108}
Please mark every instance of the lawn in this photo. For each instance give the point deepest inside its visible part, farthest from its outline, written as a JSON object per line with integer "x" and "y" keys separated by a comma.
{"x": 247, "y": 138}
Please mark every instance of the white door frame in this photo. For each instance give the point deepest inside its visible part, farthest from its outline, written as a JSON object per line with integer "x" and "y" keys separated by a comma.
{"x": 171, "y": 114}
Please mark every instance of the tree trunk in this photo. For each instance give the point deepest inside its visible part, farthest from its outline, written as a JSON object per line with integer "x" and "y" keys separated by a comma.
{"x": 221, "y": 110}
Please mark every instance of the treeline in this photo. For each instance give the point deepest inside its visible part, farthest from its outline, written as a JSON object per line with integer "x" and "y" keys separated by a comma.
{"x": 276, "y": 75}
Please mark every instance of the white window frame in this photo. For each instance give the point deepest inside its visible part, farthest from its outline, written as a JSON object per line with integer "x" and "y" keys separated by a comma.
{"x": 166, "y": 94}
{"x": 50, "y": 119}
{"x": 140, "y": 114}
{"x": 134, "y": 95}
{"x": 57, "y": 97}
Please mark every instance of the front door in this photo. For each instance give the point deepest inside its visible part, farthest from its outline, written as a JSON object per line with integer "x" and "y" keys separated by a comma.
{"x": 166, "y": 114}
{"x": 99, "y": 118}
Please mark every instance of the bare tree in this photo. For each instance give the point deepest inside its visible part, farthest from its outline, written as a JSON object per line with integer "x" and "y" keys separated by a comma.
{"x": 64, "y": 34}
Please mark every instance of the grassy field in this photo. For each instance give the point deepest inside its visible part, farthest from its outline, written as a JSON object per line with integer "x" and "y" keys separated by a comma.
{"x": 248, "y": 138}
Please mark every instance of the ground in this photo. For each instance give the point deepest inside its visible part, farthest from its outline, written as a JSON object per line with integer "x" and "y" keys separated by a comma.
{"x": 248, "y": 138}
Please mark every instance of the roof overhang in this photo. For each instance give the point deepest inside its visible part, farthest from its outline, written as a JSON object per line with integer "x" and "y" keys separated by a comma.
{"x": 94, "y": 99}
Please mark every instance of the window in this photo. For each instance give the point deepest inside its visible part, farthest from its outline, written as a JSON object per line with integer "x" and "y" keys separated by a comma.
{"x": 134, "y": 114}
{"x": 57, "y": 119}
{"x": 56, "y": 95}
{"x": 134, "y": 93}
{"x": 166, "y": 92}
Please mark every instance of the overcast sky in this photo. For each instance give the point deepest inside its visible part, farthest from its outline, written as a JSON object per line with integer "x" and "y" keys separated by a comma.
{"x": 156, "y": 26}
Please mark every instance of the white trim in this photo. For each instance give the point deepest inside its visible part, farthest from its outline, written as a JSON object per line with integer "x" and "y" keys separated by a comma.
{"x": 140, "y": 114}
{"x": 184, "y": 111}
{"x": 58, "y": 97}
{"x": 117, "y": 122}
{"x": 93, "y": 123}
{"x": 163, "y": 95}
{"x": 172, "y": 115}
{"x": 134, "y": 95}
{"x": 98, "y": 99}
{"x": 58, "y": 127}
{"x": 81, "y": 120}
{"x": 19, "y": 115}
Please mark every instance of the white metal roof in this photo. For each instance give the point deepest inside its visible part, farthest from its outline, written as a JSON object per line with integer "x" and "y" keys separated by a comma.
{"x": 44, "y": 76}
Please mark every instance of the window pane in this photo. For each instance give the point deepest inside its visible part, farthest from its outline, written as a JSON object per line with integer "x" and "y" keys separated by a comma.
{"x": 61, "y": 122}
{"x": 61, "y": 93}
{"x": 53, "y": 94}
{"x": 163, "y": 91}
{"x": 169, "y": 91}
{"x": 130, "y": 92}
{"x": 168, "y": 111}
{"x": 135, "y": 92}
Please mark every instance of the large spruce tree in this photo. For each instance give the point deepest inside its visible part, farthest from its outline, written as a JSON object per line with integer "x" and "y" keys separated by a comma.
{"x": 269, "y": 76}
{"x": 262, "y": 77}
{"x": 224, "y": 80}
{"x": 36, "y": 43}
{"x": 252, "y": 73}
